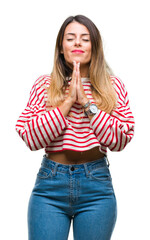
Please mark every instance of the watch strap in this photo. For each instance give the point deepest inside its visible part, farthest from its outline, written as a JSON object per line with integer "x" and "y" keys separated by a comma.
{"x": 86, "y": 105}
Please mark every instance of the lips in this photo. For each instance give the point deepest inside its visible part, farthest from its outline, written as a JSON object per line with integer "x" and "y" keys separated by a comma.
{"x": 77, "y": 51}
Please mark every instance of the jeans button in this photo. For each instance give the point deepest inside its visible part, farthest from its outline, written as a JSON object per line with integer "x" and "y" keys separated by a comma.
{"x": 72, "y": 168}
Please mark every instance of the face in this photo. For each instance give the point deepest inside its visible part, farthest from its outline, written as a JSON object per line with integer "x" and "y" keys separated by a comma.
{"x": 76, "y": 45}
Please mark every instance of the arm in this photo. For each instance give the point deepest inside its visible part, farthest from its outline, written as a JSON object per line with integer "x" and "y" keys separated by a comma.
{"x": 115, "y": 131}
{"x": 36, "y": 126}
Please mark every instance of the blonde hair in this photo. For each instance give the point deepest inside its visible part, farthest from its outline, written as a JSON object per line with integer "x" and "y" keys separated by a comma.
{"x": 99, "y": 72}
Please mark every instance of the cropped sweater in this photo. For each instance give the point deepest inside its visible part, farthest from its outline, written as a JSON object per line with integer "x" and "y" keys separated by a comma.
{"x": 49, "y": 129}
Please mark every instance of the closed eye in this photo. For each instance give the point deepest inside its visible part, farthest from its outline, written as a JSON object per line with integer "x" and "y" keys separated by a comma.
{"x": 70, "y": 39}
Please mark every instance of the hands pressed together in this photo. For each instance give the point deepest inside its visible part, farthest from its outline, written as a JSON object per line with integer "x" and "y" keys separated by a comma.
{"x": 76, "y": 91}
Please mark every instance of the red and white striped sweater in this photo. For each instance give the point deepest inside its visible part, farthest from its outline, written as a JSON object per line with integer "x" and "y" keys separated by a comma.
{"x": 40, "y": 128}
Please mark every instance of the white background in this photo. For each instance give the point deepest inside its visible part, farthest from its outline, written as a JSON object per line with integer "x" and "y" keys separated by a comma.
{"x": 28, "y": 33}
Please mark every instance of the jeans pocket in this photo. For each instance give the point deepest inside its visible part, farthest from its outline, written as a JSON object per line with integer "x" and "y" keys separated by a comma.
{"x": 44, "y": 173}
{"x": 101, "y": 174}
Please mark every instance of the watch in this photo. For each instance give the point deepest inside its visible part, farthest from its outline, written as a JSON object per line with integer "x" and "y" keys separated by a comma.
{"x": 92, "y": 110}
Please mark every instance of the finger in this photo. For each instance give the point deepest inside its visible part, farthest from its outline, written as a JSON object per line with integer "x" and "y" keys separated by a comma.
{"x": 79, "y": 76}
{"x": 74, "y": 71}
{"x": 78, "y": 73}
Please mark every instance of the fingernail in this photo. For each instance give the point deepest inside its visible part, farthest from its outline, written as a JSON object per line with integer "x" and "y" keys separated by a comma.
{"x": 79, "y": 64}
{"x": 74, "y": 62}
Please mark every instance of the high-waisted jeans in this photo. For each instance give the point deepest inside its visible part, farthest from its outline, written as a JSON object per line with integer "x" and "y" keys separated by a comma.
{"x": 82, "y": 193}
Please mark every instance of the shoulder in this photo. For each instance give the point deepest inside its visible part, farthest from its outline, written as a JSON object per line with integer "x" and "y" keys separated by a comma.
{"x": 43, "y": 81}
{"x": 38, "y": 90}
{"x": 117, "y": 82}
{"x": 118, "y": 85}
{"x": 120, "y": 89}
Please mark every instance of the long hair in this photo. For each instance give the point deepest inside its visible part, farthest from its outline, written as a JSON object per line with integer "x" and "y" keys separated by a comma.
{"x": 99, "y": 71}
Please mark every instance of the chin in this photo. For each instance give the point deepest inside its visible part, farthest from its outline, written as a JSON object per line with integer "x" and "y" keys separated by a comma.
{"x": 78, "y": 60}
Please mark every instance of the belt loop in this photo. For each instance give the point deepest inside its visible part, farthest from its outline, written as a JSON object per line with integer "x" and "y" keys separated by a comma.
{"x": 86, "y": 170}
{"x": 55, "y": 169}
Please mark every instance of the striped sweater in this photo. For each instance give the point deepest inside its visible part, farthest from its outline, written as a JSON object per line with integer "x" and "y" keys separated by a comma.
{"x": 49, "y": 129}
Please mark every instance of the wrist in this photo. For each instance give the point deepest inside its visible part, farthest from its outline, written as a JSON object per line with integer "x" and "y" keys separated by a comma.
{"x": 65, "y": 106}
{"x": 85, "y": 106}
{"x": 69, "y": 101}
{"x": 84, "y": 102}
{"x": 91, "y": 110}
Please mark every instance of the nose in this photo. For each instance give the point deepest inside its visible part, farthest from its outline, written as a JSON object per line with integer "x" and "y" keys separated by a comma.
{"x": 77, "y": 41}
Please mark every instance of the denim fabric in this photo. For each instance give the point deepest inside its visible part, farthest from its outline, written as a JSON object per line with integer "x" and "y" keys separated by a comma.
{"x": 82, "y": 193}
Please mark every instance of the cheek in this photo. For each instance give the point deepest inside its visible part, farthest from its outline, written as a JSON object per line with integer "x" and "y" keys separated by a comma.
{"x": 66, "y": 50}
{"x": 89, "y": 50}
{"x": 65, "y": 46}
{"x": 66, "y": 54}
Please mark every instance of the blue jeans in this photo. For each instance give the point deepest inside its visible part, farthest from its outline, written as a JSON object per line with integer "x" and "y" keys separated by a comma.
{"x": 82, "y": 193}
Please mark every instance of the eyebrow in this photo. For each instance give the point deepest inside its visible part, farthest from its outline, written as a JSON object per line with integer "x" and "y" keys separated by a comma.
{"x": 83, "y": 34}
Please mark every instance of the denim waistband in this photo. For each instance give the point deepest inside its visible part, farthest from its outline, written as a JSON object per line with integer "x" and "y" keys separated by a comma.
{"x": 56, "y": 166}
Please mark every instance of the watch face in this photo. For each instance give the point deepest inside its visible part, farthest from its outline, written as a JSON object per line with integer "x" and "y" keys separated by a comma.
{"x": 93, "y": 108}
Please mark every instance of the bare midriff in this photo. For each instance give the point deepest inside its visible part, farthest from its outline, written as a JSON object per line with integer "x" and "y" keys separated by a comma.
{"x": 75, "y": 157}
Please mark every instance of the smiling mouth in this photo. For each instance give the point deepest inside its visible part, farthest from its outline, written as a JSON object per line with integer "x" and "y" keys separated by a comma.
{"x": 78, "y": 51}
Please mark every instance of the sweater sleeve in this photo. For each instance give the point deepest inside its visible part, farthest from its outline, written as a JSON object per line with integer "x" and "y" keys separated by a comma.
{"x": 36, "y": 126}
{"x": 115, "y": 130}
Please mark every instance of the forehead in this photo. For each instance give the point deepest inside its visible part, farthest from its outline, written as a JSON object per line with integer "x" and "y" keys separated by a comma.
{"x": 76, "y": 28}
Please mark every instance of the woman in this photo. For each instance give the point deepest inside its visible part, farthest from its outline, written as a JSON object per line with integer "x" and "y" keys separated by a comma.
{"x": 76, "y": 113}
